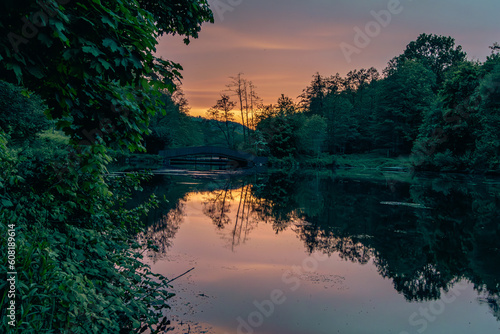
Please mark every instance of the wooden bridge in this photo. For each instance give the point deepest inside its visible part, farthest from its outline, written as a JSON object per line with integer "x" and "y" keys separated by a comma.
{"x": 211, "y": 156}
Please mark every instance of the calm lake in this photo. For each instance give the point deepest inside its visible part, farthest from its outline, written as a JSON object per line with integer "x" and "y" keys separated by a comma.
{"x": 328, "y": 252}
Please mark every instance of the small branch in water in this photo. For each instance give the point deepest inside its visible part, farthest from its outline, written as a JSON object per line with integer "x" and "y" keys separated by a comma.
{"x": 173, "y": 279}
{"x": 411, "y": 205}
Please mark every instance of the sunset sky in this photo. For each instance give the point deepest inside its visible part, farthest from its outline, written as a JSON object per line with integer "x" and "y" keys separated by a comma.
{"x": 280, "y": 44}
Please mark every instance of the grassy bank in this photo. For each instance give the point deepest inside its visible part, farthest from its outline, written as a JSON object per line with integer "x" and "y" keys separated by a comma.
{"x": 371, "y": 161}
{"x": 358, "y": 161}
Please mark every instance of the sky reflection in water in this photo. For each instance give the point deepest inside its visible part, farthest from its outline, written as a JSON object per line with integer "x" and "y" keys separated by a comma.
{"x": 325, "y": 253}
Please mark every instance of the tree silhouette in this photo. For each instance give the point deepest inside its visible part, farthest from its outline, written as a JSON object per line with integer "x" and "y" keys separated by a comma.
{"x": 222, "y": 113}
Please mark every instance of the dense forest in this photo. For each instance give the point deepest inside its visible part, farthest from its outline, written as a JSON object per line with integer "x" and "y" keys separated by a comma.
{"x": 431, "y": 104}
{"x": 81, "y": 86}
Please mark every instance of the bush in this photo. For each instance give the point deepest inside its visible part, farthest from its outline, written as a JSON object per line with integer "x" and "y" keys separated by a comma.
{"x": 79, "y": 266}
{"x": 319, "y": 161}
{"x": 21, "y": 113}
{"x": 285, "y": 162}
{"x": 445, "y": 161}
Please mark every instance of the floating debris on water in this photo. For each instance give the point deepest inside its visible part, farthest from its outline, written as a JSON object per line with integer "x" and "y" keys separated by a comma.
{"x": 411, "y": 205}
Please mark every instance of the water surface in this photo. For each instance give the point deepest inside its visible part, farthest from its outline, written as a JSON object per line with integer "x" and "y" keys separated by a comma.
{"x": 329, "y": 253}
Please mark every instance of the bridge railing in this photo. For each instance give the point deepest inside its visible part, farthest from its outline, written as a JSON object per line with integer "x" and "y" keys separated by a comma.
{"x": 248, "y": 159}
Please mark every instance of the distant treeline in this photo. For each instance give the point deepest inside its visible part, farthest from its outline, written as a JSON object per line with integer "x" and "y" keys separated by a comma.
{"x": 430, "y": 103}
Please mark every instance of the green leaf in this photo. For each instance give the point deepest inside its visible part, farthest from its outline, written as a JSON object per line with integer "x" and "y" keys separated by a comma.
{"x": 93, "y": 50}
{"x": 45, "y": 39}
{"x": 7, "y": 203}
{"x": 110, "y": 43}
{"x": 82, "y": 5}
{"x": 59, "y": 32}
{"x": 135, "y": 62}
{"x": 35, "y": 71}
{"x": 105, "y": 64}
{"x": 17, "y": 70}
{"x": 108, "y": 21}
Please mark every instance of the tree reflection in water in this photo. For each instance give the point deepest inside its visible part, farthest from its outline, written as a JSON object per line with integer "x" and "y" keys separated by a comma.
{"x": 217, "y": 206}
{"x": 423, "y": 251}
{"x": 163, "y": 231}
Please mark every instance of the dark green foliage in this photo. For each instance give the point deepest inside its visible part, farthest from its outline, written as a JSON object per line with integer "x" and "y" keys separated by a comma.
{"x": 313, "y": 97}
{"x": 182, "y": 17}
{"x": 280, "y": 134}
{"x": 362, "y": 91}
{"x": 342, "y": 124}
{"x": 436, "y": 53}
{"x": 312, "y": 134}
{"x": 285, "y": 106}
{"x": 405, "y": 97}
{"x": 78, "y": 264}
{"x": 93, "y": 64}
{"x": 433, "y": 104}
{"x": 457, "y": 133}
{"x": 172, "y": 126}
{"x": 347, "y": 105}
{"x": 488, "y": 146}
{"x": 21, "y": 113}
